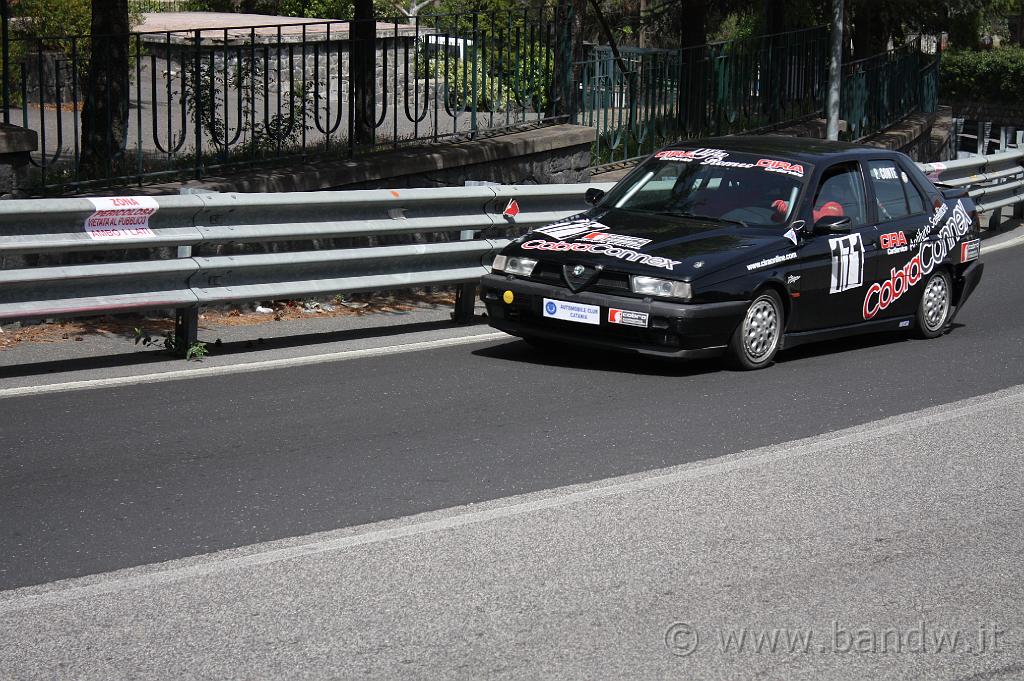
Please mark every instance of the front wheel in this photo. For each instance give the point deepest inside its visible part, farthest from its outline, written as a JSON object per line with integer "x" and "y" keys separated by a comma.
{"x": 935, "y": 305}
{"x": 756, "y": 339}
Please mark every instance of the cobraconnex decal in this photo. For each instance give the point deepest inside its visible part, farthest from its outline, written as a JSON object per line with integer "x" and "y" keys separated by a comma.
{"x": 626, "y": 254}
{"x": 930, "y": 253}
{"x": 768, "y": 262}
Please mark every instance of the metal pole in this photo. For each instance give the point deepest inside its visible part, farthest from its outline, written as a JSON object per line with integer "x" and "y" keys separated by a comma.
{"x": 5, "y": 19}
{"x": 835, "y": 76}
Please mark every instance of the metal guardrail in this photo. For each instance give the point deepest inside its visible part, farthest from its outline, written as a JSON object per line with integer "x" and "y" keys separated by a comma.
{"x": 994, "y": 182}
{"x": 235, "y": 247}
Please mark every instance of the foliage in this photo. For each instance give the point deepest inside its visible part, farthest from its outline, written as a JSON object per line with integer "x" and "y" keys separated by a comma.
{"x": 196, "y": 351}
{"x": 44, "y": 18}
{"x": 61, "y": 26}
{"x": 511, "y": 82}
{"x": 205, "y": 96}
{"x": 995, "y": 76}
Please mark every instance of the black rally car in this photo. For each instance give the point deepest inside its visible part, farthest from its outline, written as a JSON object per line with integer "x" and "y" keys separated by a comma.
{"x": 744, "y": 245}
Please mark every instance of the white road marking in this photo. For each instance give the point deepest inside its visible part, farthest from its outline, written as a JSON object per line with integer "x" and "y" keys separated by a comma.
{"x": 171, "y": 572}
{"x": 1010, "y": 243}
{"x": 205, "y": 372}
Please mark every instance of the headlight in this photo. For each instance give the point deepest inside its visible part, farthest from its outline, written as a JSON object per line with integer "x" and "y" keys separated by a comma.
{"x": 652, "y": 286}
{"x": 513, "y": 264}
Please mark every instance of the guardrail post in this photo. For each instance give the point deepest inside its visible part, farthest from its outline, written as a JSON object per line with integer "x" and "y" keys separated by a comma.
{"x": 186, "y": 328}
{"x": 186, "y": 319}
{"x": 465, "y": 294}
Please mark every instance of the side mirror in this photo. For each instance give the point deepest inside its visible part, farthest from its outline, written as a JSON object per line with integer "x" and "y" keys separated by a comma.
{"x": 593, "y": 195}
{"x": 832, "y": 224}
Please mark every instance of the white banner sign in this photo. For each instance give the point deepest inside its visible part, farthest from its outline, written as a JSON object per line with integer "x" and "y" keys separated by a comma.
{"x": 121, "y": 217}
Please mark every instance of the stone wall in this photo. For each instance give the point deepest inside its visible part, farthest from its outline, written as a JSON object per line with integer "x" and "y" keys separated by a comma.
{"x": 558, "y": 154}
{"x": 15, "y": 146}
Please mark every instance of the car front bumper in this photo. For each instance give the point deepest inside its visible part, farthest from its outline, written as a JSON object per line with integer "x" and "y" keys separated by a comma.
{"x": 674, "y": 330}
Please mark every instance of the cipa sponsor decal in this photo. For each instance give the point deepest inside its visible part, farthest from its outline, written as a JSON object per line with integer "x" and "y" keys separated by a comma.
{"x": 615, "y": 239}
{"x": 572, "y": 312}
{"x": 121, "y": 217}
{"x": 775, "y": 166}
{"x": 600, "y": 249}
{"x": 768, "y": 262}
{"x": 568, "y": 229}
{"x": 930, "y": 253}
{"x": 894, "y": 243}
{"x": 627, "y": 317}
{"x": 970, "y": 250}
{"x": 847, "y": 263}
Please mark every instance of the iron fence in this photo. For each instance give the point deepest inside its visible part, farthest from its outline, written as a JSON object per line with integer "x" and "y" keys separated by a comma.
{"x": 715, "y": 89}
{"x": 205, "y": 100}
{"x": 878, "y": 91}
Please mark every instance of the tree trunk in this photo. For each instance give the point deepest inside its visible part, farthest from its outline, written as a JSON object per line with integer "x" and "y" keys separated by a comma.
{"x": 105, "y": 109}
{"x": 870, "y": 31}
{"x": 363, "y": 63}
{"x": 566, "y": 58}
{"x": 693, "y": 29}
{"x": 774, "y": 16}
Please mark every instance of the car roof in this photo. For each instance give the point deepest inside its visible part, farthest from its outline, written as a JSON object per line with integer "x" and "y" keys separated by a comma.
{"x": 806, "y": 149}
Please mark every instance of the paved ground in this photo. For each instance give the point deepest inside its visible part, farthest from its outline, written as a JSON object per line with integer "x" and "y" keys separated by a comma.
{"x": 480, "y": 511}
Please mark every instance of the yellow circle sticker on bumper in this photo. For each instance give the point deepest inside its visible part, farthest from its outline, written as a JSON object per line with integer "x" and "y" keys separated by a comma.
{"x": 508, "y": 297}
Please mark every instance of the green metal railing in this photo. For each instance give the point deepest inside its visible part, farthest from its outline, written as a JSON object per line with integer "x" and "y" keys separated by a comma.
{"x": 716, "y": 89}
{"x": 878, "y": 91}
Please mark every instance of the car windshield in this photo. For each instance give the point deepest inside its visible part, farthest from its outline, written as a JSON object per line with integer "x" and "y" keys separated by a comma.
{"x": 714, "y": 184}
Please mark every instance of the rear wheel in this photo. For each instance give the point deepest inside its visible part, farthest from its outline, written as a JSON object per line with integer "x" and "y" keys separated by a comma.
{"x": 756, "y": 339}
{"x": 935, "y": 305}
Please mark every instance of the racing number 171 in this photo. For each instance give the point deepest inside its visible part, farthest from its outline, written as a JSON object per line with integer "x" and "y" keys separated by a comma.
{"x": 847, "y": 262}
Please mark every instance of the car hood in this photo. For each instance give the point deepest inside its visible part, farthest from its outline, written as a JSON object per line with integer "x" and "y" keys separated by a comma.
{"x": 647, "y": 243}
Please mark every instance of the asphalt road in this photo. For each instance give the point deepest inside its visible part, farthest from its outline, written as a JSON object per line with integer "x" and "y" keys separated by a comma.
{"x": 917, "y": 523}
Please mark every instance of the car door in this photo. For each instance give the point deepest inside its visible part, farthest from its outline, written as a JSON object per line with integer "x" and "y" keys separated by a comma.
{"x": 833, "y": 268}
{"x": 903, "y": 209}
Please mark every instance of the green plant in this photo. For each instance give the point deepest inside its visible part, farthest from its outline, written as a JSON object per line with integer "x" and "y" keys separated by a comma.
{"x": 205, "y": 95}
{"x": 995, "y": 76}
{"x": 495, "y": 81}
{"x": 196, "y": 351}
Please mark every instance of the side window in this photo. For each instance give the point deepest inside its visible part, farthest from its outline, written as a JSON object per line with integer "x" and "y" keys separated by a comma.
{"x": 896, "y": 194}
{"x": 841, "y": 193}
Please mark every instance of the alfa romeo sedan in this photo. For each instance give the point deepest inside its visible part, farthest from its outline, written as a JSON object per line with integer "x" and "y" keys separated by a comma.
{"x": 744, "y": 246}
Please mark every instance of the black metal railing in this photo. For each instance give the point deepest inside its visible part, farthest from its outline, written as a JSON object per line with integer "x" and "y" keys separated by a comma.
{"x": 206, "y": 100}
{"x": 714, "y": 89}
{"x": 881, "y": 90}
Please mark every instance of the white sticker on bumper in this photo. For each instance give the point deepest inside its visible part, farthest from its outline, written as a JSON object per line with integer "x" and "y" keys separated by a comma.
{"x": 572, "y": 312}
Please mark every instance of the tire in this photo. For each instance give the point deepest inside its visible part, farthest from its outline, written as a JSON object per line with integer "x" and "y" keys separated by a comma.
{"x": 935, "y": 306}
{"x": 757, "y": 338}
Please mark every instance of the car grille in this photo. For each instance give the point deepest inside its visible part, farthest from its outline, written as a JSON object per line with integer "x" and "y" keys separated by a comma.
{"x": 607, "y": 281}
